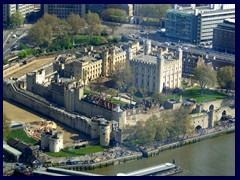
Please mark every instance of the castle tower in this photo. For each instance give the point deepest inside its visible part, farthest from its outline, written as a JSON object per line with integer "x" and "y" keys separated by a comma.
{"x": 31, "y": 80}
{"x": 73, "y": 93}
{"x": 179, "y": 56}
{"x": 112, "y": 60}
{"x": 147, "y": 47}
{"x": 45, "y": 136}
{"x": 129, "y": 54}
{"x": 40, "y": 76}
{"x": 35, "y": 77}
{"x": 56, "y": 142}
{"x": 211, "y": 115}
{"x": 69, "y": 102}
{"x": 94, "y": 128}
{"x": 105, "y": 131}
{"x": 120, "y": 116}
{"x": 105, "y": 63}
{"x": 159, "y": 74}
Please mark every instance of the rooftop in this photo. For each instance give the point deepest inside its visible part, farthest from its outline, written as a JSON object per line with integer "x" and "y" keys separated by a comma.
{"x": 11, "y": 150}
{"x": 147, "y": 58}
{"x": 150, "y": 170}
{"x": 199, "y": 10}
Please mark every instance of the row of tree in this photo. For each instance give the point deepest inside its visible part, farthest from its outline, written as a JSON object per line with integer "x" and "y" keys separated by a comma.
{"x": 206, "y": 77}
{"x": 114, "y": 15}
{"x": 171, "y": 125}
{"x": 50, "y": 27}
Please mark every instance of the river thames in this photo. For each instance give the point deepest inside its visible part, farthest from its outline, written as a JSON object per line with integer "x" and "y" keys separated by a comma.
{"x": 212, "y": 157}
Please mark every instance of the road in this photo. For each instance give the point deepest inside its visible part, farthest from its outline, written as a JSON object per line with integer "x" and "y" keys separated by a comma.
{"x": 36, "y": 64}
{"x": 9, "y": 41}
{"x": 132, "y": 32}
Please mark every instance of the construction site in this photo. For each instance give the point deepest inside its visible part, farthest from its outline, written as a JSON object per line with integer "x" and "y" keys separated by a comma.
{"x": 38, "y": 127}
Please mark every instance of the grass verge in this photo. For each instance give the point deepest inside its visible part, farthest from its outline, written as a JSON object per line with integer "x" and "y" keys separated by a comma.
{"x": 21, "y": 135}
{"x": 68, "y": 152}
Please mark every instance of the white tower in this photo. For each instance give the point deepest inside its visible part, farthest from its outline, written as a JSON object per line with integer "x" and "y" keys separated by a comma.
{"x": 159, "y": 74}
{"x": 129, "y": 54}
{"x": 147, "y": 46}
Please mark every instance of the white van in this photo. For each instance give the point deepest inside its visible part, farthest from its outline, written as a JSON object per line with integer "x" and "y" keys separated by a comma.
{"x": 14, "y": 36}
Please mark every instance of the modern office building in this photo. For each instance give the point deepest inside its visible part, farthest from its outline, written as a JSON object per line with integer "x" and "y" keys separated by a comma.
{"x": 195, "y": 24}
{"x": 9, "y": 9}
{"x": 224, "y": 36}
{"x": 63, "y": 10}
{"x": 25, "y": 9}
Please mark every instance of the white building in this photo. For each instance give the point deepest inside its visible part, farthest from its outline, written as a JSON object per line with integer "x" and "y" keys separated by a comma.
{"x": 52, "y": 140}
{"x": 154, "y": 71}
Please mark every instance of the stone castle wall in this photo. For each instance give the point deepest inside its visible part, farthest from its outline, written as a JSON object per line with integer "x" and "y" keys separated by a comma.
{"x": 40, "y": 105}
{"x": 93, "y": 110}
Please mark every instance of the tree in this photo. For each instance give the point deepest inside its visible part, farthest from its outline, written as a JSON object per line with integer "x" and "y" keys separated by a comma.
{"x": 111, "y": 92}
{"x": 115, "y": 15}
{"x": 6, "y": 127}
{"x": 132, "y": 90}
{"x": 113, "y": 26}
{"x": 17, "y": 18}
{"x": 75, "y": 24}
{"x": 43, "y": 32}
{"x": 123, "y": 76}
{"x": 158, "y": 127}
{"x": 93, "y": 24}
{"x": 57, "y": 25}
{"x": 143, "y": 92}
{"x": 159, "y": 97}
{"x": 155, "y": 10}
{"x": 226, "y": 78}
{"x": 182, "y": 122}
{"x": 5, "y": 61}
{"x": 40, "y": 34}
{"x": 205, "y": 76}
{"x": 98, "y": 86}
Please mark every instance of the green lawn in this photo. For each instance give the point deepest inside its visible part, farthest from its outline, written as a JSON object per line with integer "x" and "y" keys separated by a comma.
{"x": 81, "y": 39}
{"x": 86, "y": 92}
{"x": 184, "y": 85}
{"x": 193, "y": 93}
{"x": 96, "y": 40}
{"x": 21, "y": 135}
{"x": 118, "y": 102}
{"x": 67, "y": 152}
{"x": 208, "y": 95}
